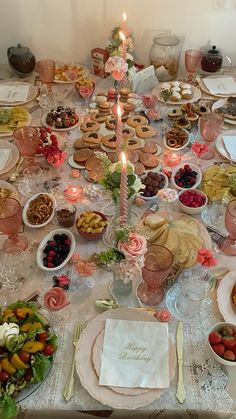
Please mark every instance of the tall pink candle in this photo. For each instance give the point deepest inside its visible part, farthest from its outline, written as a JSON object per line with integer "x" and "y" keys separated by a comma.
{"x": 124, "y": 190}
{"x": 124, "y": 24}
{"x": 123, "y": 55}
{"x": 119, "y": 128}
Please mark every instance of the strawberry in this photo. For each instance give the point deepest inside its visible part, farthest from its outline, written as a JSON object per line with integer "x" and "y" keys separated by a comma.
{"x": 229, "y": 355}
{"x": 67, "y": 241}
{"x": 227, "y": 331}
{"x": 219, "y": 349}
{"x": 214, "y": 338}
{"x": 49, "y": 130}
{"x": 52, "y": 243}
{"x": 234, "y": 350}
{"x": 51, "y": 265}
{"x": 229, "y": 342}
{"x": 51, "y": 253}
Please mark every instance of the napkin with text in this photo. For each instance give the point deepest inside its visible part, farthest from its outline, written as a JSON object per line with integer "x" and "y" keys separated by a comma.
{"x": 221, "y": 85}
{"x": 13, "y": 93}
{"x": 230, "y": 145}
{"x": 135, "y": 354}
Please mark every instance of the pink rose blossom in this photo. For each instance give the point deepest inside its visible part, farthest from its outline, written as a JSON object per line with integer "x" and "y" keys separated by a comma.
{"x": 63, "y": 280}
{"x": 135, "y": 246}
{"x": 163, "y": 315}
{"x": 206, "y": 258}
{"x": 117, "y": 67}
{"x": 85, "y": 268}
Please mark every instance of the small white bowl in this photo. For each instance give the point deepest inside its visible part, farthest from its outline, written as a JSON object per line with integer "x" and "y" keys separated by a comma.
{"x": 10, "y": 187}
{"x": 24, "y": 213}
{"x": 177, "y": 148}
{"x": 217, "y": 328}
{"x": 152, "y": 198}
{"x": 40, "y": 254}
{"x": 190, "y": 210}
{"x": 193, "y": 167}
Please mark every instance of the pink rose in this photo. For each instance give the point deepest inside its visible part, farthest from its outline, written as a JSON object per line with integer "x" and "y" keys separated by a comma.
{"x": 63, "y": 280}
{"x": 135, "y": 246}
{"x": 118, "y": 74}
{"x": 85, "y": 268}
{"x": 117, "y": 67}
{"x": 163, "y": 315}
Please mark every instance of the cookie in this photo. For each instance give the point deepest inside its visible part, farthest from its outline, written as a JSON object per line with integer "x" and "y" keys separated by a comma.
{"x": 148, "y": 160}
{"x": 92, "y": 138}
{"x": 89, "y": 126}
{"x": 97, "y": 117}
{"x": 79, "y": 144}
{"x": 150, "y": 148}
{"x": 109, "y": 141}
{"x": 81, "y": 156}
{"x": 111, "y": 123}
{"x": 133, "y": 144}
{"x": 136, "y": 120}
{"x": 127, "y": 108}
{"x": 124, "y": 91}
{"x": 145, "y": 131}
{"x": 93, "y": 162}
{"x": 127, "y": 133}
{"x": 139, "y": 168}
{"x": 104, "y": 108}
{"x": 133, "y": 157}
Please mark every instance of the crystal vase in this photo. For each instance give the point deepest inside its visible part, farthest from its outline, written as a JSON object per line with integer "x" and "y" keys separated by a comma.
{"x": 122, "y": 282}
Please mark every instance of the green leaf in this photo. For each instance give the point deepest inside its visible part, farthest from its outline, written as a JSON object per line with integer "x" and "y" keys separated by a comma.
{"x": 52, "y": 340}
{"x": 40, "y": 367}
{"x": 16, "y": 342}
{"x": 116, "y": 177}
{"x": 20, "y": 304}
{"x": 130, "y": 63}
{"x": 131, "y": 179}
{"x": 8, "y": 408}
{"x": 131, "y": 192}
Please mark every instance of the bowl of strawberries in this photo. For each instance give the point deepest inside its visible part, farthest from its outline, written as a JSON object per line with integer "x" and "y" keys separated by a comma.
{"x": 222, "y": 343}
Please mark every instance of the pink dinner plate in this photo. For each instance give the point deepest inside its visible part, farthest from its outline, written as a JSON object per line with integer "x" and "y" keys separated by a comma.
{"x": 87, "y": 373}
{"x": 224, "y": 301}
{"x": 13, "y": 157}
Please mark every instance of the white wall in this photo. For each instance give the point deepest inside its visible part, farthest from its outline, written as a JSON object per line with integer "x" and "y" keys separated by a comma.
{"x": 67, "y": 30}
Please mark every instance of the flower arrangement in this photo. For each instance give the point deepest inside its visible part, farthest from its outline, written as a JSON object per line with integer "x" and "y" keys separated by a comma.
{"x": 117, "y": 67}
{"x": 115, "y": 47}
{"x": 112, "y": 176}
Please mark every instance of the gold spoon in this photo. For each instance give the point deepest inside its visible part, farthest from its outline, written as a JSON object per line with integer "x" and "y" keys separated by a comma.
{"x": 13, "y": 177}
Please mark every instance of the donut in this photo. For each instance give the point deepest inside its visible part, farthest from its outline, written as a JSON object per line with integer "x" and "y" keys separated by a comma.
{"x": 148, "y": 160}
{"x": 145, "y": 131}
{"x": 150, "y": 148}
{"x": 97, "y": 117}
{"x": 90, "y": 126}
{"x": 139, "y": 168}
{"x": 92, "y": 138}
{"x": 109, "y": 141}
{"x": 136, "y": 120}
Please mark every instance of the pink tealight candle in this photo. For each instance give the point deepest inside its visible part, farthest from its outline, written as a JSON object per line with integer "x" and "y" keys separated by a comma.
{"x": 75, "y": 173}
{"x": 73, "y": 193}
{"x": 172, "y": 158}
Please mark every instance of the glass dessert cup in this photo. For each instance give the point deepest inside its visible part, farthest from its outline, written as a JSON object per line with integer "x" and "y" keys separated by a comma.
{"x": 11, "y": 223}
{"x": 192, "y": 62}
{"x": 210, "y": 126}
{"x": 157, "y": 265}
{"x": 228, "y": 244}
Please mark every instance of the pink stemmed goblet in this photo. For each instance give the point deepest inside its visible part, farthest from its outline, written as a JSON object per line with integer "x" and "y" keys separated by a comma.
{"x": 46, "y": 71}
{"x": 157, "y": 265}
{"x": 192, "y": 62}
{"x": 11, "y": 222}
{"x": 85, "y": 91}
{"x": 210, "y": 126}
{"x": 228, "y": 244}
{"x": 27, "y": 141}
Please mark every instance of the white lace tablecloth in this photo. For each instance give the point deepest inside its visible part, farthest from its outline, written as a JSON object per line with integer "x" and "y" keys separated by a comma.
{"x": 208, "y": 386}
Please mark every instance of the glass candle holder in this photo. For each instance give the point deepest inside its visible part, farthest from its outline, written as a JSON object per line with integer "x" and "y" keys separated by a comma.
{"x": 172, "y": 158}
{"x": 73, "y": 193}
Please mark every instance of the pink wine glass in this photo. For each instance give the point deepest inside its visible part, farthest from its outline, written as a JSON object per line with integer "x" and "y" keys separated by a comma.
{"x": 210, "y": 126}
{"x": 27, "y": 141}
{"x": 46, "y": 71}
{"x": 85, "y": 92}
{"x": 11, "y": 223}
{"x": 157, "y": 265}
{"x": 228, "y": 244}
{"x": 192, "y": 62}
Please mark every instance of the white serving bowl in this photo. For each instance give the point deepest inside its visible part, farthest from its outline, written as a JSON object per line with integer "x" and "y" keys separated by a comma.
{"x": 193, "y": 167}
{"x": 191, "y": 210}
{"x": 24, "y": 213}
{"x": 152, "y": 198}
{"x": 40, "y": 254}
{"x": 178, "y": 148}
{"x": 217, "y": 328}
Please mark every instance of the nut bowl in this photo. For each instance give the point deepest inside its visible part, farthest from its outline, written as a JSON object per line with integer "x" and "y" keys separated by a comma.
{"x": 191, "y": 210}
{"x": 218, "y": 328}
{"x": 92, "y": 235}
{"x": 194, "y": 167}
{"x": 50, "y": 237}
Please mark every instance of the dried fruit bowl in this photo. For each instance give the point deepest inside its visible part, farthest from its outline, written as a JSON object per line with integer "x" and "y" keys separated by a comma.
{"x": 218, "y": 328}
{"x": 188, "y": 209}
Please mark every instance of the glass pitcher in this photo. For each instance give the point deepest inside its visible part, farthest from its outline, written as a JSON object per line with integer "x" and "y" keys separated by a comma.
{"x": 164, "y": 56}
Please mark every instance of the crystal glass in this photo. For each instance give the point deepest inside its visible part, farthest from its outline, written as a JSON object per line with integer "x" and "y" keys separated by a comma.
{"x": 192, "y": 62}
{"x": 157, "y": 265}
{"x": 210, "y": 126}
{"x": 66, "y": 214}
{"x": 27, "y": 141}
{"x": 31, "y": 183}
{"x": 190, "y": 299}
{"x": 228, "y": 245}
{"x": 11, "y": 223}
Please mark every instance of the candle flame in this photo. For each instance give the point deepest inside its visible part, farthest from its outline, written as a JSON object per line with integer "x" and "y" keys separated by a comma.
{"x": 123, "y": 158}
{"x": 119, "y": 112}
{"x": 124, "y": 16}
{"x": 122, "y": 36}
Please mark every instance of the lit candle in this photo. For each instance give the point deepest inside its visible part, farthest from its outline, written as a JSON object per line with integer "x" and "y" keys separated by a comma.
{"x": 172, "y": 158}
{"x": 124, "y": 25}
{"x": 124, "y": 190}
{"x": 119, "y": 128}
{"x": 73, "y": 193}
{"x": 123, "y": 54}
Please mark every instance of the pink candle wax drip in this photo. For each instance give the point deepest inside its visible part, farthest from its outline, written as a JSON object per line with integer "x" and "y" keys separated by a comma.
{"x": 119, "y": 128}
{"x": 124, "y": 190}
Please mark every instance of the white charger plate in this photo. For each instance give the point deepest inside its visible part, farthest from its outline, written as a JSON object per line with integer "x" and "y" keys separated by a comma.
{"x": 10, "y": 133}
{"x": 206, "y": 90}
{"x": 32, "y": 93}
{"x": 13, "y": 158}
{"x": 222, "y": 150}
{"x": 44, "y": 117}
{"x": 224, "y": 293}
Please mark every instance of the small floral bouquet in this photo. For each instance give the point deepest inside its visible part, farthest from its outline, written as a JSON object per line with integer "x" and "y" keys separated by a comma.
{"x": 117, "y": 67}
{"x": 50, "y": 149}
{"x": 112, "y": 177}
{"x": 115, "y": 47}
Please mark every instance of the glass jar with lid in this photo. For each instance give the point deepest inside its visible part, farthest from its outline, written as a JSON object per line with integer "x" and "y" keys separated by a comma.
{"x": 164, "y": 56}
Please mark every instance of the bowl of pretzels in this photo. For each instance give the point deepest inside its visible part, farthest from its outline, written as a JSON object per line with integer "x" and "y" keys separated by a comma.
{"x": 176, "y": 139}
{"x": 39, "y": 210}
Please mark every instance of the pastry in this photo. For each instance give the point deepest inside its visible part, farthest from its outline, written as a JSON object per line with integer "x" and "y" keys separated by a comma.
{"x": 104, "y": 108}
{"x": 165, "y": 86}
{"x": 145, "y": 131}
{"x": 148, "y": 160}
{"x": 127, "y": 133}
{"x": 136, "y": 120}
{"x": 109, "y": 141}
{"x": 79, "y": 144}
{"x": 133, "y": 144}
{"x": 111, "y": 123}
{"x": 139, "y": 168}
{"x": 188, "y": 107}
{"x": 92, "y": 138}
{"x": 150, "y": 148}
{"x": 111, "y": 93}
{"x": 82, "y": 155}
{"x": 175, "y": 90}
{"x": 100, "y": 98}
{"x": 175, "y": 114}
{"x": 201, "y": 110}
{"x": 96, "y": 174}
{"x": 127, "y": 108}
{"x": 90, "y": 126}
{"x": 186, "y": 94}
{"x": 124, "y": 91}
{"x": 183, "y": 123}
{"x": 176, "y": 138}
{"x": 192, "y": 116}
{"x": 175, "y": 97}
{"x": 185, "y": 86}
{"x": 97, "y": 117}
{"x": 175, "y": 84}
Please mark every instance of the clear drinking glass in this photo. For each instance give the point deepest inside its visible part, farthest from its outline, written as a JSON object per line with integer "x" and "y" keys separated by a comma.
{"x": 190, "y": 299}
{"x": 31, "y": 183}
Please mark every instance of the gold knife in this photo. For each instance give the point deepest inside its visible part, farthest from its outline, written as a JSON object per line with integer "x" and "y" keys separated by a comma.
{"x": 180, "y": 394}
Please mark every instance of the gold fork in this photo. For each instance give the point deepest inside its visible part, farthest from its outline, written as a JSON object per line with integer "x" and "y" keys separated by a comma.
{"x": 70, "y": 384}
